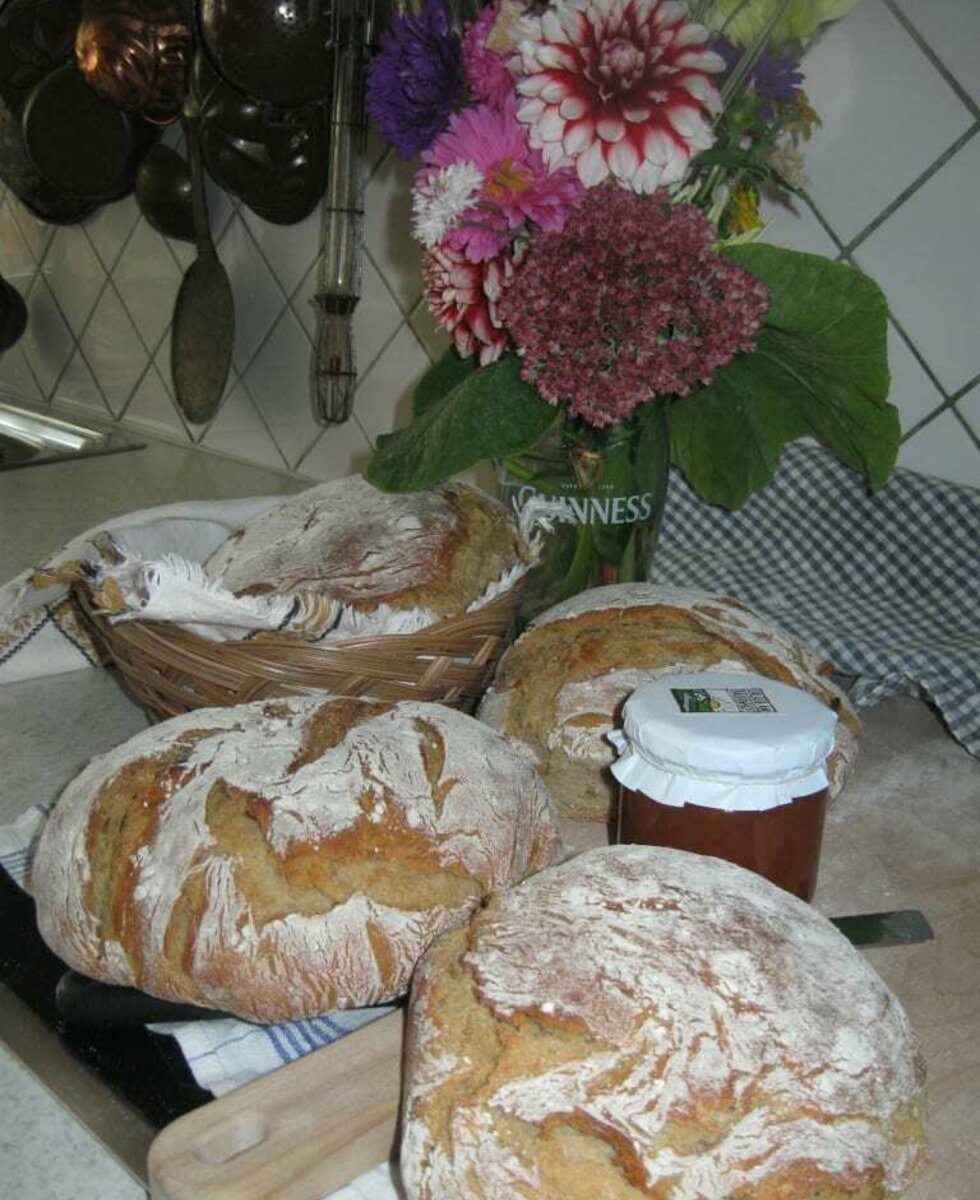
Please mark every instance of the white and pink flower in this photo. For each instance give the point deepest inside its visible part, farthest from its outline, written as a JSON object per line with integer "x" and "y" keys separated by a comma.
{"x": 463, "y": 296}
{"x": 618, "y": 88}
{"x": 516, "y": 187}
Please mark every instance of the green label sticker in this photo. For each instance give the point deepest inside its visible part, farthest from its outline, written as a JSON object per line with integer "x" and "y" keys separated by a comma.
{"x": 729, "y": 700}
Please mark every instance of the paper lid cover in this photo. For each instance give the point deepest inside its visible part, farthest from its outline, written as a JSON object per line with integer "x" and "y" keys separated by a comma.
{"x": 729, "y": 740}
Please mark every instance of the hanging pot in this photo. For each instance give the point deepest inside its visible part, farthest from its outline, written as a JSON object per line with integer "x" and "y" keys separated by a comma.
{"x": 274, "y": 50}
{"x": 17, "y": 171}
{"x": 78, "y": 142}
{"x": 274, "y": 159}
{"x": 36, "y": 37}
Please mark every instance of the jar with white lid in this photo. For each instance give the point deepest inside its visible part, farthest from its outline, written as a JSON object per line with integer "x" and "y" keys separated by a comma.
{"x": 727, "y": 764}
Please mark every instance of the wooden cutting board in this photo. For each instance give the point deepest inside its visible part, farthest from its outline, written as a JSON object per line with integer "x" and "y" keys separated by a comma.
{"x": 295, "y": 1134}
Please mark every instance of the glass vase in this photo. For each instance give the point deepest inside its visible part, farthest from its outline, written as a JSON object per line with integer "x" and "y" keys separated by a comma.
{"x": 595, "y": 498}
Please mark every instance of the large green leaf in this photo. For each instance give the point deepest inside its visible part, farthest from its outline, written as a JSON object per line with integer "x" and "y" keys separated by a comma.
{"x": 441, "y": 378}
{"x": 819, "y": 369}
{"x": 489, "y": 413}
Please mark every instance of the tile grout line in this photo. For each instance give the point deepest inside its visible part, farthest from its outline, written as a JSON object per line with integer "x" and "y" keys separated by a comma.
{"x": 933, "y": 169}
{"x": 913, "y": 32}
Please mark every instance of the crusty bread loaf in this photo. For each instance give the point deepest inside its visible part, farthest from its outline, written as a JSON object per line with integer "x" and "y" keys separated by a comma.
{"x": 560, "y": 688}
{"x": 437, "y": 550}
{"x": 287, "y": 857}
{"x": 645, "y": 1024}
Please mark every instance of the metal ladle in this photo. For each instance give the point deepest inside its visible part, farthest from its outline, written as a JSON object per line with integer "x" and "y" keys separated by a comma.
{"x": 203, "y": 332}
{"x": 164, "y": 193}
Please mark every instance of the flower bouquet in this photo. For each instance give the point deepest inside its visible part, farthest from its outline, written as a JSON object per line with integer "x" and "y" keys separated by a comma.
{"x": 588, "y": 203}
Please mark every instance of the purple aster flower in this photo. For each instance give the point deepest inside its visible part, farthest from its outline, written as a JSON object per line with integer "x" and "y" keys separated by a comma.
{"x": 415, "y": 81}
{"x": 775, "y": 77}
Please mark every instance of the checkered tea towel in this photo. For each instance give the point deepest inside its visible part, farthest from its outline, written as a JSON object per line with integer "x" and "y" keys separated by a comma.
{"x": 221, "y": 1054}
{"x": 886, "y": 587}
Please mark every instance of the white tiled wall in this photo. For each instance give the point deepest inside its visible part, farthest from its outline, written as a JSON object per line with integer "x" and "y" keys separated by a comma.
{"x": 893, "y": 176}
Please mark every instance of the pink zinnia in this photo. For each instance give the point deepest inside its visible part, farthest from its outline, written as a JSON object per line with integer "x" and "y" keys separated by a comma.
{"x": 628, "y": 302}
{"x": 618, "y": 88}
{"x": 486, "y": 71}
{"x": 463, "y": 296}
{"x": 517, "y": 187}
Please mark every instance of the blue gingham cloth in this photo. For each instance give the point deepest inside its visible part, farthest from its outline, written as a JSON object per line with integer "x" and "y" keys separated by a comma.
{"x": 886, "y": 587}
{"x": 222, "y": 1054}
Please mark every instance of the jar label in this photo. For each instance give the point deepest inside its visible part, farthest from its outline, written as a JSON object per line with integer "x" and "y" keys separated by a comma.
{"x": 729, "y": 700}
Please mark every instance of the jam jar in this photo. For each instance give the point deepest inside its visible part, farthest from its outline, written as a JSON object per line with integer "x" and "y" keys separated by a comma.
{"x": 727, "y": 764}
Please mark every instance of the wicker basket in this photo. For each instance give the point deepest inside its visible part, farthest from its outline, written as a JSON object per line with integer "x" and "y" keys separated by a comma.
{"x": 169, "y": 670}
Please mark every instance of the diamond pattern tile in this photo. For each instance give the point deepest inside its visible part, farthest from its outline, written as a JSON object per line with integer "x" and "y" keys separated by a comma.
{"x": 109, "y": 228}
{"x": 75, "y": 273}
{"x": 77, "y": 388}
{"x": 384, "y": 394}
{"x": 952, "y": 29}
{"x": 147, "y": 279}
{"x": 37, "y": 234}
{"x": 289, "y": 249}
{"x": 430, "y": 333}
{"x": 340, "y": 450}
{"x": 926, "y": 257}
{"x": 16, "y": 258}
{"x": 278, "y": 382}
{"x": 17, "y": 380}
{"x": 239, "y": 431}
{"x": 152, "y": 409}
{"x": 969, "y": 409}
{"x": 796, "y": 228}
{"x": 887, "y": 115}
{"x": 944, "y": 450}
{"x": 47, "y": 341}
{"x": 912, "y": 391}
{"x": 387, "y": 229}
{"x": 258, "y": 297}
{"x": 114, "y": 350}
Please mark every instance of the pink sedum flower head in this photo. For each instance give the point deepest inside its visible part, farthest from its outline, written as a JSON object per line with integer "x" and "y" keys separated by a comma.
{"x": 618, "y": 88}
{"x": 517, "y": 187}
{"x": 628, "y": 302}
{"x": 464, "y": 298}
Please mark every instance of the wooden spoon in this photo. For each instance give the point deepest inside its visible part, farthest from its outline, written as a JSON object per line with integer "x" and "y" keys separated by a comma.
{"x": 203, "y": 332}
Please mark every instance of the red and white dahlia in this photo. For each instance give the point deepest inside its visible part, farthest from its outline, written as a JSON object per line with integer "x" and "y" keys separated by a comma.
{"x": 618, "y": 88}
{"x": 463, "y": 297}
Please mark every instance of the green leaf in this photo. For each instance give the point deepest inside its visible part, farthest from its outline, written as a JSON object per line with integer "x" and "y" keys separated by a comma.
{"x": 441, "y": 378}
{"x": 819, "y": 369}
{"x": 489, "y": 413}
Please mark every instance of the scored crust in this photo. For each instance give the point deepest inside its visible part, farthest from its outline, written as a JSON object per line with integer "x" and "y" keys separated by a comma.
{"x": 287, "y": 857}
{"x": 645, "y": 1023}
{"x": 437, "y": 550}
{"x": 561, "y": 687}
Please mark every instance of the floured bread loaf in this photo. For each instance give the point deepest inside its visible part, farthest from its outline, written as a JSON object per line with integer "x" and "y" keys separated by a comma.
{"x": 560, "y": 688}
{"x": 644, "y": 1023}
{"x": 287, "y": 857}
{"x": 438, "y": 550}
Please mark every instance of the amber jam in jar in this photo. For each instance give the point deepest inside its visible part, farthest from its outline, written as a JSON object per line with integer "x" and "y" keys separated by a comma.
{"x": 781, "y": 843}
{"x": 730, "y": 765}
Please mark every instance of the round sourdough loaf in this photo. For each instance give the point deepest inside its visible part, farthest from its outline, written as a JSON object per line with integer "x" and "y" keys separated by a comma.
{"x": 646, "y": 1023}
{"x": 438, "y": 550}
{"x": 287, "y": 857}
{"x": 560, "y": 688}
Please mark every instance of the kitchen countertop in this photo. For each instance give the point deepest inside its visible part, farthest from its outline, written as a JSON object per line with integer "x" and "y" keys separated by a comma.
{"x": 905, "y": 833}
